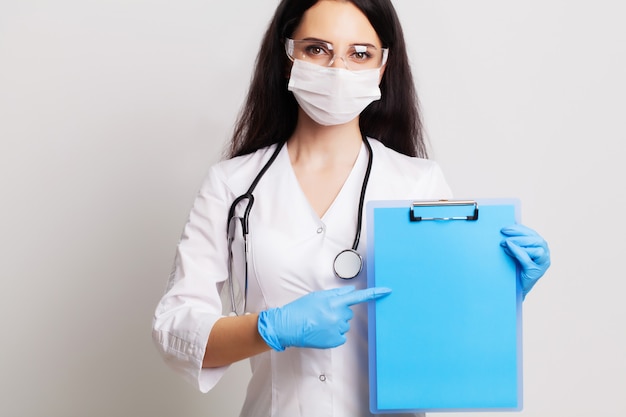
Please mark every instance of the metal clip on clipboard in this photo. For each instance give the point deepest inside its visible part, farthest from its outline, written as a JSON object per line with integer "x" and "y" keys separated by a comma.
{"x": 444, "y": 203}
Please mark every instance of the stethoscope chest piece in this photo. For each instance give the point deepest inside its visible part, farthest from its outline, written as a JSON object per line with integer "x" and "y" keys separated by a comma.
{"x": 348, "y": 264}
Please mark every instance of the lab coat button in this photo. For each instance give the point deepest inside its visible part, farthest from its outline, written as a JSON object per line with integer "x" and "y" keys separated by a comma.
{"x": 320, "y": 230}
{"x": 322, "y": 377}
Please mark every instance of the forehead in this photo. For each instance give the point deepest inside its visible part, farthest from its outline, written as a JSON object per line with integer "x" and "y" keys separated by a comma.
{"x": 336, "y": 21}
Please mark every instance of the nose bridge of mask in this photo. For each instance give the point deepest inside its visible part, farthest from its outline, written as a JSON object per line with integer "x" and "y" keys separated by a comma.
{"x": 314, "y": 78}
{"x": 338, "y": 82}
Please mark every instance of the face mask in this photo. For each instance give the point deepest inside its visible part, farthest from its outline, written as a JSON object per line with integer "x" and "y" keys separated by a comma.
{"x": 333, "y": 96}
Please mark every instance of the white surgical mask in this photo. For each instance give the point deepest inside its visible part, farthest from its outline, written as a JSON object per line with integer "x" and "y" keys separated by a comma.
{"x": 333, "y": 96}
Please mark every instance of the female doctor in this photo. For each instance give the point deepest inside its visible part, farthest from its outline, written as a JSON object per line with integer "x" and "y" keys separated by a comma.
{"x": 331, "y": 121}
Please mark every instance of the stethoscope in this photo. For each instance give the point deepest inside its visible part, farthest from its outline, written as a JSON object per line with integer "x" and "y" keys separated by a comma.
{"x": 346, "y": 265}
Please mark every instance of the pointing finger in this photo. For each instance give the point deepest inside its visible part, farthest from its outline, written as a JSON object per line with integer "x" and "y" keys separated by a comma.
{"x": 361, "y": 296}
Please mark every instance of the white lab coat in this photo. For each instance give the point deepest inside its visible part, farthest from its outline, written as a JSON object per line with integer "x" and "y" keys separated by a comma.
{"x": 291, "y": 254}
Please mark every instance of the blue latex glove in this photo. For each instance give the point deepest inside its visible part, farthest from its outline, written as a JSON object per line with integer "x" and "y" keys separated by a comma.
{"x": 316, "y": 320}
{"x": 530, "y": 251}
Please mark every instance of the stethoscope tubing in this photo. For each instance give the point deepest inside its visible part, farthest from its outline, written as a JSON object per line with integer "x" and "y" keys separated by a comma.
{"x": 356, "y": 259}
{"x": 366, "y": 178}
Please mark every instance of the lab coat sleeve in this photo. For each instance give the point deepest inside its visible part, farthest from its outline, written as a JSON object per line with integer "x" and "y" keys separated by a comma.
{"x": 191, "y": 304}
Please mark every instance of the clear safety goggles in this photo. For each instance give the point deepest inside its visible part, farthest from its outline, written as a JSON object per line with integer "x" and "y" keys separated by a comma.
{"x": 357, "y": 57}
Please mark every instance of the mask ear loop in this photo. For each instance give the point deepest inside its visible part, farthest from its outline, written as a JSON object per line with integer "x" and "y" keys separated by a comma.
{"x": 348, "y": 263}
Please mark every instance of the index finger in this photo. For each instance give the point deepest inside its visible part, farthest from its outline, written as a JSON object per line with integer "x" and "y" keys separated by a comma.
{"x": 518, "y": 230}
{"x": 360, "y": 296}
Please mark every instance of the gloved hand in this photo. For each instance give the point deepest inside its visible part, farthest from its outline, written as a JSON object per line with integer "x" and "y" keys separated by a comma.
{"x": 530, "y": 251}
{"x": 316, "y": 320}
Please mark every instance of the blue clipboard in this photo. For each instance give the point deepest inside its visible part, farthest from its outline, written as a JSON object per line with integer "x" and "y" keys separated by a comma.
{"x": 449, "y": 336}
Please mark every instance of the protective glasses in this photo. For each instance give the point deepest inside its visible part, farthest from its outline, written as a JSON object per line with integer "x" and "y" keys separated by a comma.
{"x": 357, "y": 57}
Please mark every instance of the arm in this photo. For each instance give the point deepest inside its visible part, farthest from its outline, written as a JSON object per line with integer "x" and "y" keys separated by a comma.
{"x": 233, "y": 339}
{"x": 316, "y": 320}
{"x": 190, "y": 308}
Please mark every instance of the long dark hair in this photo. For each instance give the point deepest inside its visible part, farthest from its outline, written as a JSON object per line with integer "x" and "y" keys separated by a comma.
{"x": 270, "y": 112}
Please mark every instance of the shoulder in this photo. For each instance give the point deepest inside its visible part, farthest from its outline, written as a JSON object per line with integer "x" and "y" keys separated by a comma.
{"x": 402, "y": 174}
{"x": 239, "y": 164}
{"x": 237, "y": 173}
{"x": 397, "y": 161}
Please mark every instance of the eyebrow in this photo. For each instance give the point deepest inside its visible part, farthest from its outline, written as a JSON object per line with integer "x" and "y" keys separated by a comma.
{"x": 352, "y": 44}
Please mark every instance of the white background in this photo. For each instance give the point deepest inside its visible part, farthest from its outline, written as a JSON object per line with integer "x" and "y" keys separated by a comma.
{"x": 111, "y": 112}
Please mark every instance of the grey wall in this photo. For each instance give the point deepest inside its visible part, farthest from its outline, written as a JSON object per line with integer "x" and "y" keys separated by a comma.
{"x": 112, "y": 111}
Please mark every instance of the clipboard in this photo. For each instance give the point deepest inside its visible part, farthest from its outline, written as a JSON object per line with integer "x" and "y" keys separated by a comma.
{"x": 449, "y": 336}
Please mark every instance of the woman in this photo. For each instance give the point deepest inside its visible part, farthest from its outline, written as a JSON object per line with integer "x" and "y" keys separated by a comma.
{"x": 331, "y": 121}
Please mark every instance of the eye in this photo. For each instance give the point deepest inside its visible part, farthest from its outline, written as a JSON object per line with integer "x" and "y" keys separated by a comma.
{"x": 316, "y": 50}
{"x": 360, "y": 53}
